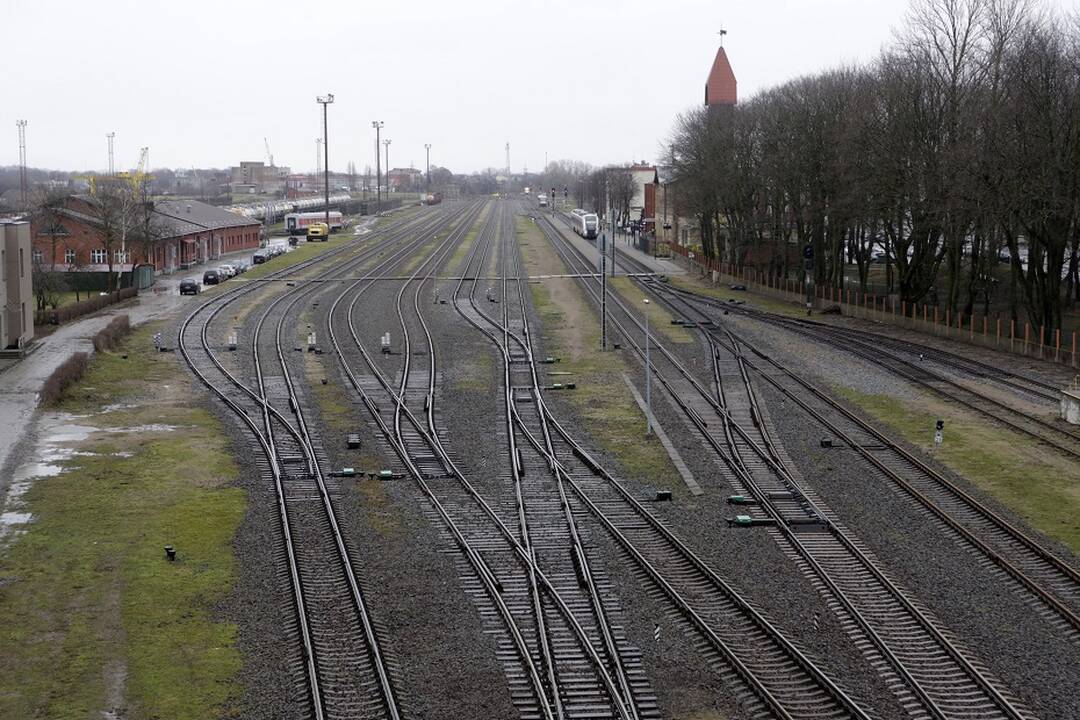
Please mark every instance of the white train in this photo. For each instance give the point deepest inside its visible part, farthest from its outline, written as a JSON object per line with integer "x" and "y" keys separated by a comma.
{"x": 585, "y": 224}
{"x": 297, "y": 223}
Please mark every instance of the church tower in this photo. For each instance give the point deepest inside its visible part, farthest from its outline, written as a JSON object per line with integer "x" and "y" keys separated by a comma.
{"x": 720, "y": 88}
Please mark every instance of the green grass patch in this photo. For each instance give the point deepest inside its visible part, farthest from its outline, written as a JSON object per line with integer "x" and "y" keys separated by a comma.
{"x": 95, "y": 618}
{"x": 724, "y": 292}
{"x": 1039, "y": 484}
{"x": 659, "y": 317}
{"x": 457, "y": 260}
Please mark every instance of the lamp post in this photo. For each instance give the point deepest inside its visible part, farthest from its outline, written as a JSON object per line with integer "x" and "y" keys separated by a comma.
{"x": 377, "y": 124}
{"x": 387, "y": 144}
{"x": 648, "y": 374}
{"x": 427, "y": 164}
{"x": 324, "y": 101}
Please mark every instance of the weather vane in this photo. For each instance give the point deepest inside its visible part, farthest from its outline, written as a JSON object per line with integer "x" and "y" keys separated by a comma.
{"x": 722, "y": 33}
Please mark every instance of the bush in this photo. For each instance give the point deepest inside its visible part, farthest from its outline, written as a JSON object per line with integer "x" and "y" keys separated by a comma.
{"x": 109, "y": 336}
{"x": 71, "y": 311}
{"x": 63, "y": 377}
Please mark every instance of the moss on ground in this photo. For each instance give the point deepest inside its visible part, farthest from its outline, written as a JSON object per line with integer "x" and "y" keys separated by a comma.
{"x": 724, "y": 292}
{"x": 659, "y": 317}
{"x": 95, "y": 618}
{"x": 1035, "y": 482}
{"x": 457, "y": 260}
{"x": 602, "y": 400}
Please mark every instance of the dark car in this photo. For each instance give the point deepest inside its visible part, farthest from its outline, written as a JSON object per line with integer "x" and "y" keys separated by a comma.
{"x": 212, "y": 277}
{"x": 190, "y": 286}
{"x": 260, "y": 257}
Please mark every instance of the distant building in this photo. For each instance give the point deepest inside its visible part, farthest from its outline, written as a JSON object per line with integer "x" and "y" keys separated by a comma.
{"x": 405, "y": 179}
{"x": 191, "y": 232}
{"x": 16, "y": 288}
{"x": 257, "y": 178}
{"x": 721, "y": 88}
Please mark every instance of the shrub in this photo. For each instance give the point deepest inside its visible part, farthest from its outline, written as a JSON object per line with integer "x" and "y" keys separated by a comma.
{"x": 109, "y": 336}
{"x": 63, "y": 377}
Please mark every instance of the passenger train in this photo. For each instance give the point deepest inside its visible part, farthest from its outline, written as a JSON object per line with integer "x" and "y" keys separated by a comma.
{"x": 585, "y": 224}
{"x": 297, "y": 223}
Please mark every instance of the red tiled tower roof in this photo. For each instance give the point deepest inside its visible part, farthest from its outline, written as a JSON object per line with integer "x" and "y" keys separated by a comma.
{"x": 720, "y": 88}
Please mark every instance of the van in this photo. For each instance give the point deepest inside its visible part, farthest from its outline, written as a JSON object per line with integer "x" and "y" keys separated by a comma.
{"x": 317, "y": 232}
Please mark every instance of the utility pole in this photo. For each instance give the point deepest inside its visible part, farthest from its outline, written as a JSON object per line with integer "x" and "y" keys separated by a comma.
{"x": 112, "y": 168}
{"x": 377, "y": 124}
{"x": 427, "y": 164}
{"x": 603, "y": 292}
{"x": 23, "y": 189}
{"x": 386, "y": 143}
{"x": 324, "y": 101}
{"x": 648, "y": 374}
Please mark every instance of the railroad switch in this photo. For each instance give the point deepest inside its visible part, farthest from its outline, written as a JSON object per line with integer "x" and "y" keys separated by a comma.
{"x": 826, "y": 442}
{"x": 345, "y": 472}
{"x": 741, "y": 500}
{"x": 662, "y": 496}
{"x": 549, "y": 360}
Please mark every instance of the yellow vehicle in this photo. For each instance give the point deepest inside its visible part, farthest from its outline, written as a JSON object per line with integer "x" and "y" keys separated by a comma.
{"x": 318, "y": 232}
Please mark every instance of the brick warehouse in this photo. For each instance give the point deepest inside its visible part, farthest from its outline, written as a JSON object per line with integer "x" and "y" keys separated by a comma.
{"x": 191, "y": 232}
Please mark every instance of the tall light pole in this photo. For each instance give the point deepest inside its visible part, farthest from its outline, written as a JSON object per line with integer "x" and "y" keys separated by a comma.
{"x": 324, "y": 101}
{"x": 648, "y": 374}
{"x": 377, "y": 124}
{"x": 386, "y": 143}
{"x": 427, "y": 164}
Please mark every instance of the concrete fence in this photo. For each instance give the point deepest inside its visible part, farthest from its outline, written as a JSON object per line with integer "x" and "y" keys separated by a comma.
{"x": 988, "y": 331}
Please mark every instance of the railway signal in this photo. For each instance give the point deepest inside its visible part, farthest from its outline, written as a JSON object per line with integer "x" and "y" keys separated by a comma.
{"x": 939, "y": 432}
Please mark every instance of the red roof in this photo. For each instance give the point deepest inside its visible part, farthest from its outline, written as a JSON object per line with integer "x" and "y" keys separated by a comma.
{"x": 720, "y": 88}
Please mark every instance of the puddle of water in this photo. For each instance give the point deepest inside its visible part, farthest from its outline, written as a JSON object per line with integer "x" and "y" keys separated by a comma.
{"x": 152, "y": 427}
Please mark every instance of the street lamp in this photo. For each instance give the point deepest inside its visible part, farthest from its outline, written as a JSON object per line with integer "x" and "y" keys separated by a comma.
{"x": 377, "y": 124}
{"x": 648, "y": 374}
{"x": 324, "y": 101}
{"x": 387, "y": 144}
{"x": 427, "y": 150}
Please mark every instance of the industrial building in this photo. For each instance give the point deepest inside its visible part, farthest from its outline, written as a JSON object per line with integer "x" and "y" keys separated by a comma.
{"x": 16, "y": 286}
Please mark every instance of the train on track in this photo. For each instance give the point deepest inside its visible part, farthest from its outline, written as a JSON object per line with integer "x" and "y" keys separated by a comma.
{"x": 584, "y": 223}
{"x": 297, "y": 223}
{"x": 271, "y": 210}
{"x": 433, "y": 198}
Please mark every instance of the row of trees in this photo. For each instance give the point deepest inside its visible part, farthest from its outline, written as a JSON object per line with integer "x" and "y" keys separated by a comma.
{"x": 956, "y": 150}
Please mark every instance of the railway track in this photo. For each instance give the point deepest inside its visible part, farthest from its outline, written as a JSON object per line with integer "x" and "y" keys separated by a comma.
{"x": 929, "y": 671}
{"x": 1048, "y": 583}
{"x": 890, "y": 358}
{"x": 345, "y": 672}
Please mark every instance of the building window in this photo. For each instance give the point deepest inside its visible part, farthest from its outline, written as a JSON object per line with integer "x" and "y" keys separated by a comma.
{"x": 69, "y": 256}
{"x": 99, "y": 256}
{"x": 120, "y": 257}
{"x": 37, "y": 257}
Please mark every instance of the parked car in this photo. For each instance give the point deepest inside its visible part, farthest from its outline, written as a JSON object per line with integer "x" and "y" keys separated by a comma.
{"x": 228, "y": 269}
{"x": 190, "y": 286}
{"x": 260, "y": 257}
{"x": 212, "y": 277}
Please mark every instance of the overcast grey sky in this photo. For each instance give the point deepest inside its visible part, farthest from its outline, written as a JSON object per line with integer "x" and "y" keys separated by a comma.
{"x": 201, "y": 83}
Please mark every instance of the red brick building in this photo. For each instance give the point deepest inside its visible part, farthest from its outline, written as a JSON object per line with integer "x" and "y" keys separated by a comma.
{"x": 189, "y": 232}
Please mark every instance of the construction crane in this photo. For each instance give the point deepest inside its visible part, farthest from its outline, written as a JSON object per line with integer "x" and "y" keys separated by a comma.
{"x": 269, "y": 155}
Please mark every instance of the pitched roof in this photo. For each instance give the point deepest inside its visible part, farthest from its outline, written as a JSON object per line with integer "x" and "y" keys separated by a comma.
{"x": 720, "y": 87}
{"x": 200, "y": 215}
